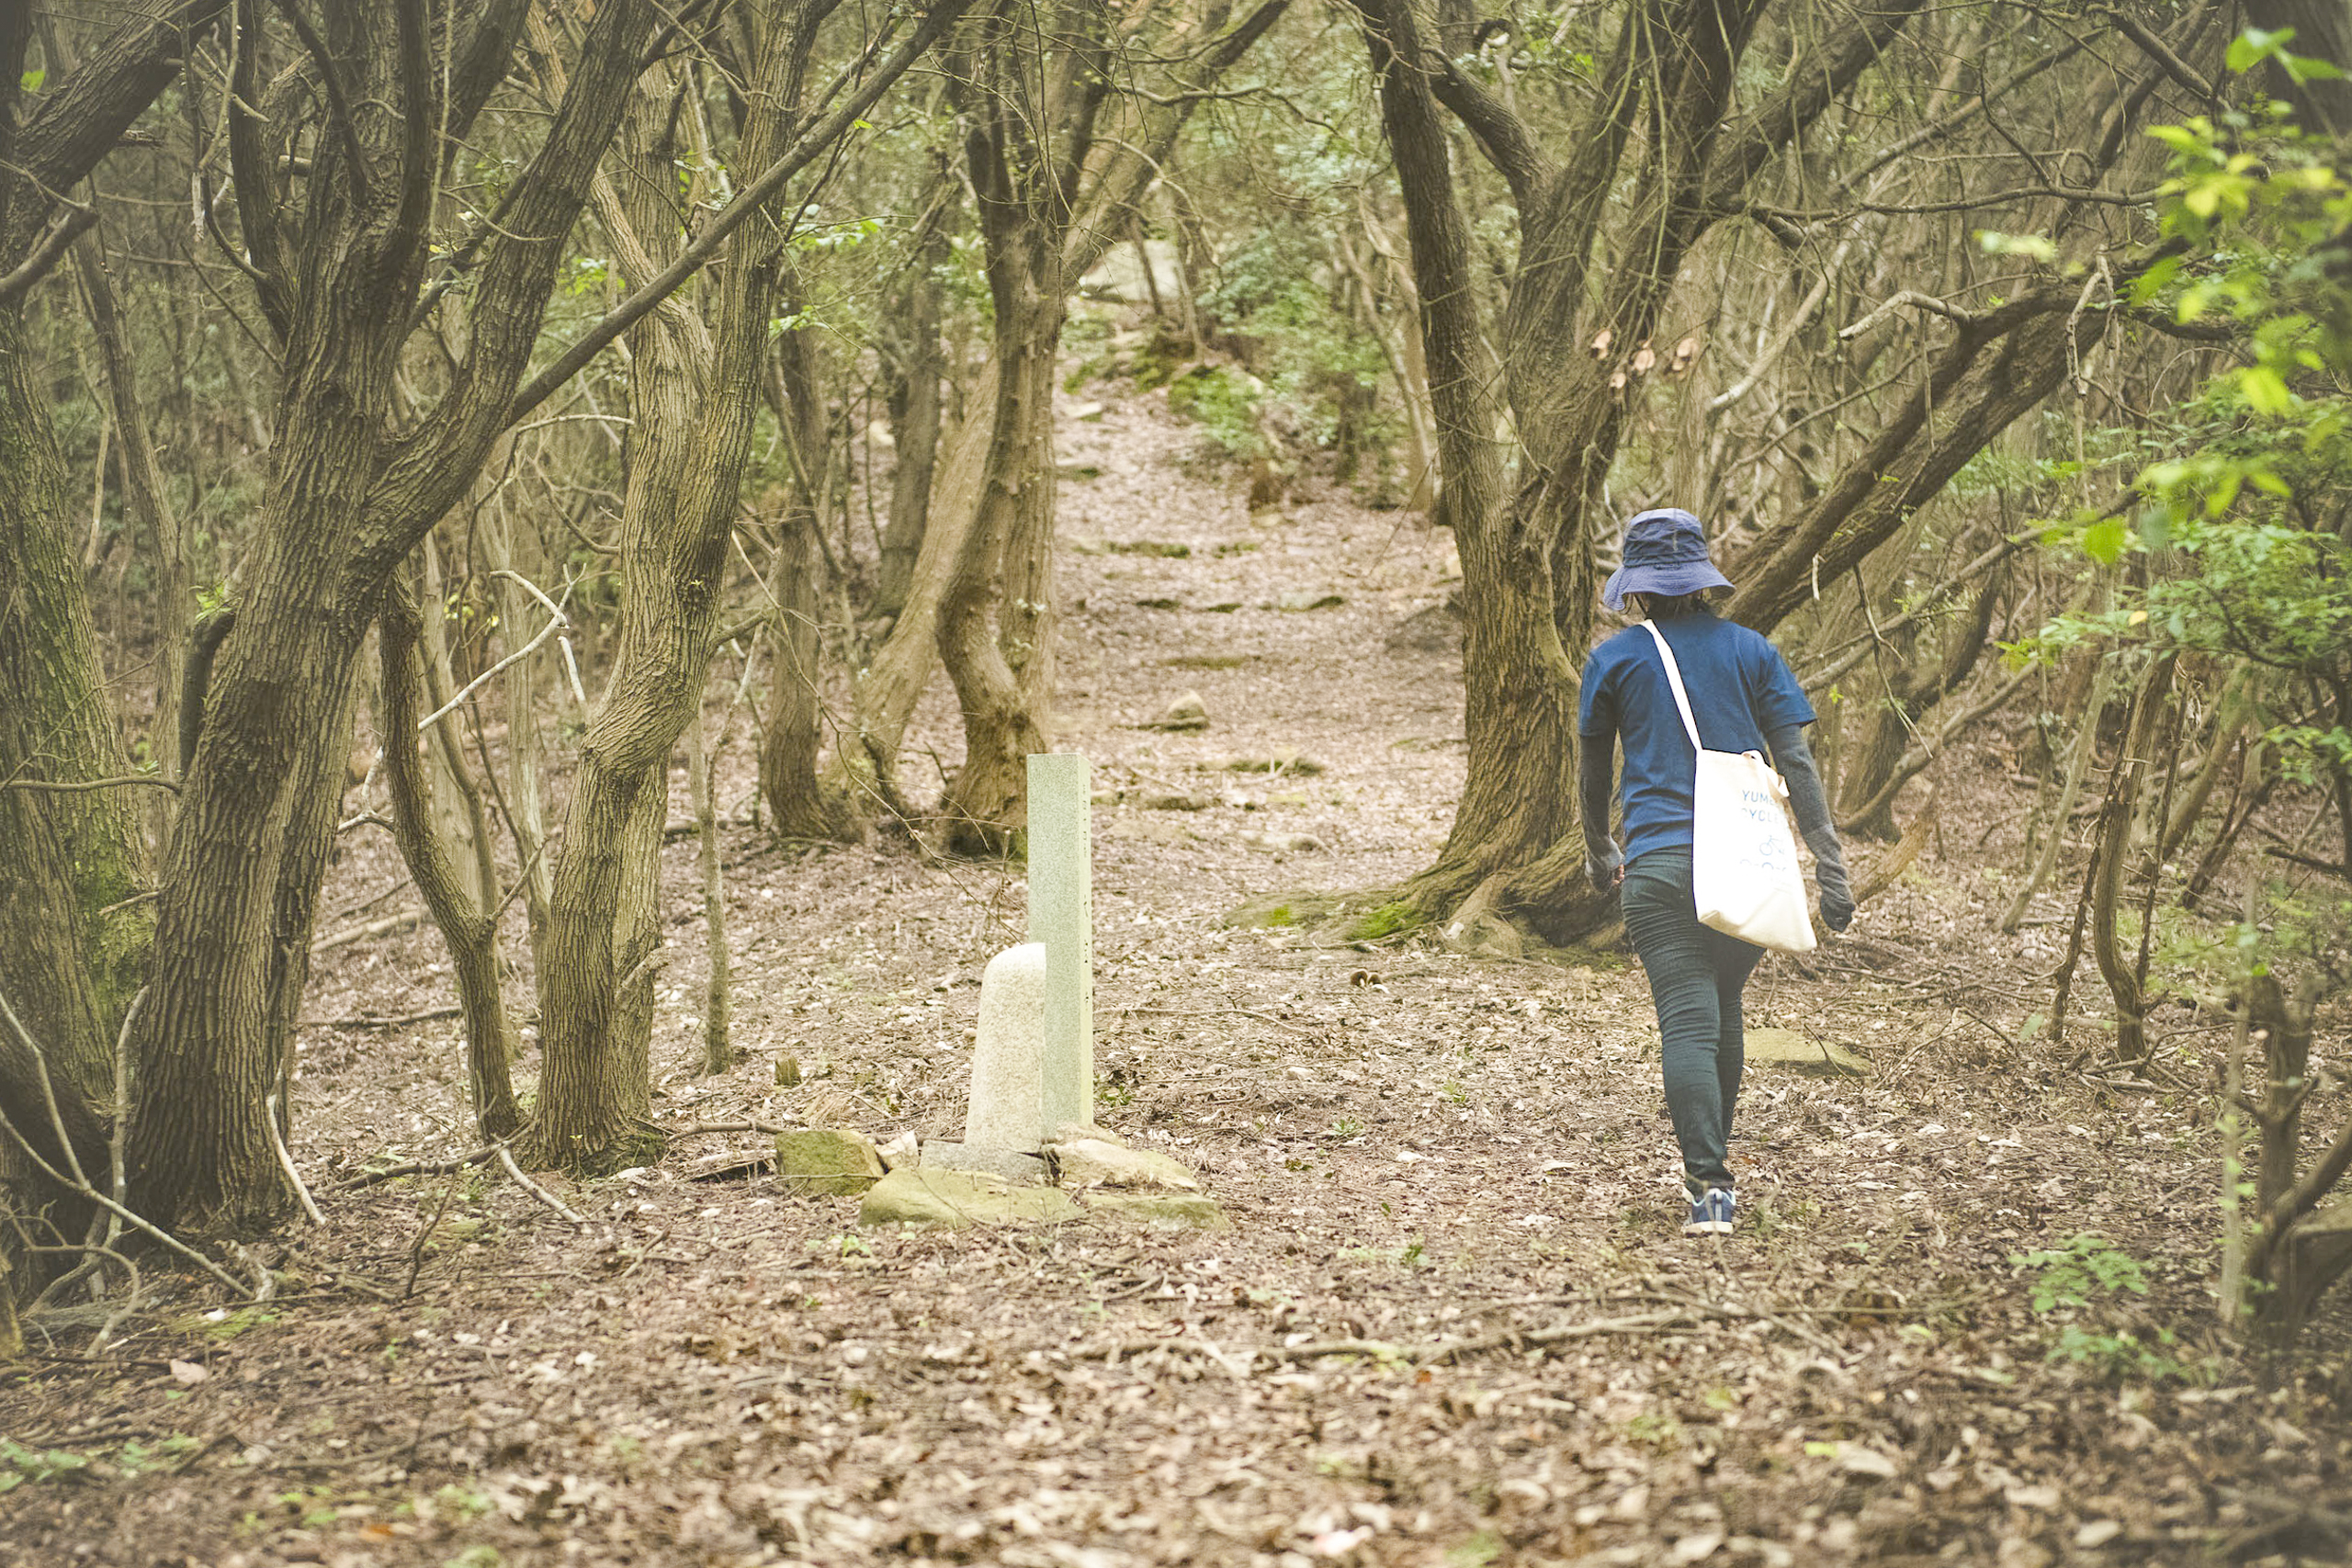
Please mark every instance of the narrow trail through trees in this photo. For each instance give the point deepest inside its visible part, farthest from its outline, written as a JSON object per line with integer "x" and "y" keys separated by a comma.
{"x": 1455, "y": 1320}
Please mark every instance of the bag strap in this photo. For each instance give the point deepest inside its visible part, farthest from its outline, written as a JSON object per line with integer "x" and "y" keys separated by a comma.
{"x": 1674, "y": 679}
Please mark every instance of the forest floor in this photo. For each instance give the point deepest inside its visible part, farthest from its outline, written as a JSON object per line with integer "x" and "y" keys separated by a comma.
{"x": 1939, "y": 1335}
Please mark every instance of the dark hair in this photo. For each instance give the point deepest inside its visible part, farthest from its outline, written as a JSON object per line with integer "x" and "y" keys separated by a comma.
{"x": 1670, "y": 606}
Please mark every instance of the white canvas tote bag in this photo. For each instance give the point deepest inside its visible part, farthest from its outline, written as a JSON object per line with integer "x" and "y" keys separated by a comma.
{"x": 1744, "y": 875}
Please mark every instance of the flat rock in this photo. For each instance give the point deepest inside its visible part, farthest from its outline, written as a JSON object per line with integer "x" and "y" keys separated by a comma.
{"x": 732, "y": 1165}
{"x": 1178, "y": 802}
{"x": 1787, "y": 1048}
{"x": 903, "y": 1149}
{"x": 1285, "y": 759}
{"x": 1098, "y": 1162}
{"x": 1189, "y": 1209}
{"x": 1186, "y": 713}
{"x": 1436, "y": 629}
{"x": 1281, "y": 843}
{"x": 1012, "y": 1165}
{"x": 827, "y": 1160}
{"x": 927, "y": 1195}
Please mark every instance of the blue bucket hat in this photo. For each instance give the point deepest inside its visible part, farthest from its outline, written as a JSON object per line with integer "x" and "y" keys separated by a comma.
{"x": 1665, "y": 552}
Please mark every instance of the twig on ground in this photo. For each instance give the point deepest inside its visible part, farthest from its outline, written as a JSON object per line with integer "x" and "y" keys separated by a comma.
{"x": 286, "y": 1162}
{"x": 424, "y": 1236}
{"x": 419, "y": 1167}
{"x": 387, "y": 1020}
{"x": 384, "y": 927}
{"x": 507, "y": 1158}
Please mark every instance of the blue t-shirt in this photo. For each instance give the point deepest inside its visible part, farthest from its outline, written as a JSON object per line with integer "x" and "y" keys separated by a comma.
{"x": 1739, "y": 687}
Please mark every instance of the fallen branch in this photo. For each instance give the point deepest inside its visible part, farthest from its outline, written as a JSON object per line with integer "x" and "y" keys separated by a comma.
{"x": 507, "y": 1158}
{"x": 286, "y": 1162}
{"x": 350, "y": 934}
{"x": 419, "y": 1167}
{"x": 1434, "y": 1355}
{"x": 385, "y": 1021}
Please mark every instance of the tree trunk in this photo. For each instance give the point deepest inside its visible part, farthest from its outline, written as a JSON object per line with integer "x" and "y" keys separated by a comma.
{"x": 350, "y": 490}
{"x": 801, "y": 802}
{"x": 142, "y": 480}
{"x": 916, "y": 363}
{"x": 468, "y": 921}
{"x": 2123, "y": 981}
{"x": 986, "y": 806}
{"x": 883, "y": 695}
{"x": 1910, "y": 693}
{"x": 694, "y": 393}
{"x": 74, "y": 929}
{"x": 1086, "y": 194}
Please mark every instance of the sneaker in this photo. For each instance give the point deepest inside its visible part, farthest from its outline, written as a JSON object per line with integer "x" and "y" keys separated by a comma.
{"x": 1710, "y": 1215}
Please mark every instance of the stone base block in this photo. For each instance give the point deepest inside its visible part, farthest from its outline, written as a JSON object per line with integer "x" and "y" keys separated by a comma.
{"x": 915, "y": 1195}
{"x": 827, "y": 1161}
{"x": 1024, "y": 1169}
{"x": 1098, "y": 1162}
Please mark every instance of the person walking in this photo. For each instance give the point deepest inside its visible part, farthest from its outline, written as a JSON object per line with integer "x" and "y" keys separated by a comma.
{"x": 1745, "y": 698}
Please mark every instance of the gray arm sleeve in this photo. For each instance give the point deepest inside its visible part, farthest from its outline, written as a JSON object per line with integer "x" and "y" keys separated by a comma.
{"x": 1811, "y": 802}
{"x": 1595, "y": 760}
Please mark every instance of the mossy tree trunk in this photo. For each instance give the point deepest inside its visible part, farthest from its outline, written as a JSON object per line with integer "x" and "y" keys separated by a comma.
{"x": 351, "y": 488}
{"x": 75, "y": 920}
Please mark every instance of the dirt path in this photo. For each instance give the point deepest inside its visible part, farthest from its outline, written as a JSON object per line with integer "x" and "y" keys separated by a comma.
{"x": 1462, "y": 1166}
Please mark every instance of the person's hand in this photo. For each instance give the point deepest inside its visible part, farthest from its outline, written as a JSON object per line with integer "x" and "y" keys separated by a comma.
{"x": 1837, "y": 909}
{"x": 1604, "y": 866}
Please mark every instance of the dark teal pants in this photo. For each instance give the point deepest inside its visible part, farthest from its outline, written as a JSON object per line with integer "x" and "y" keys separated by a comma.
{"x": 1696, "y": 976}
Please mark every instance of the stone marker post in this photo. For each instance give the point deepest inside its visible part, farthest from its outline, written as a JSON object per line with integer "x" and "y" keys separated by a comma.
{"x": 1061, "y": 916}
{"x": 1008, "y": 1061}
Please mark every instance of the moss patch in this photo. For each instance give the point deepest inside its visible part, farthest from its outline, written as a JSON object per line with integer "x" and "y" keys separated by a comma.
{"x": 1281, "y": 910}
{"x": 1385, "y": 920}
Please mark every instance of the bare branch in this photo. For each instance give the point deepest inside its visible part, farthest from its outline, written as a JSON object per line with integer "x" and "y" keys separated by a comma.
{"x": 83, "y": 118}
{"x": 338, "y": 100}
{"x": 2156, "y": 48}
{"x": 82, "y": 786}
{"x": 1783, "y": 118}
{"x": 63, "y": 232}
{"x": 1915, "y": 299}
{"x": 804, "y": 148}
{"x": 1499, "y": 133}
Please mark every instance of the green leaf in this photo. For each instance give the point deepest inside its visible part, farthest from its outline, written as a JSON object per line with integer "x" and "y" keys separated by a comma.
{"x": 2265, "y": 391}
{"x": 2254, "y": 46}
{"x": 2103, "y": 541}
{"x": 32, "y": 80}
{"x": 2034, "y": 247}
